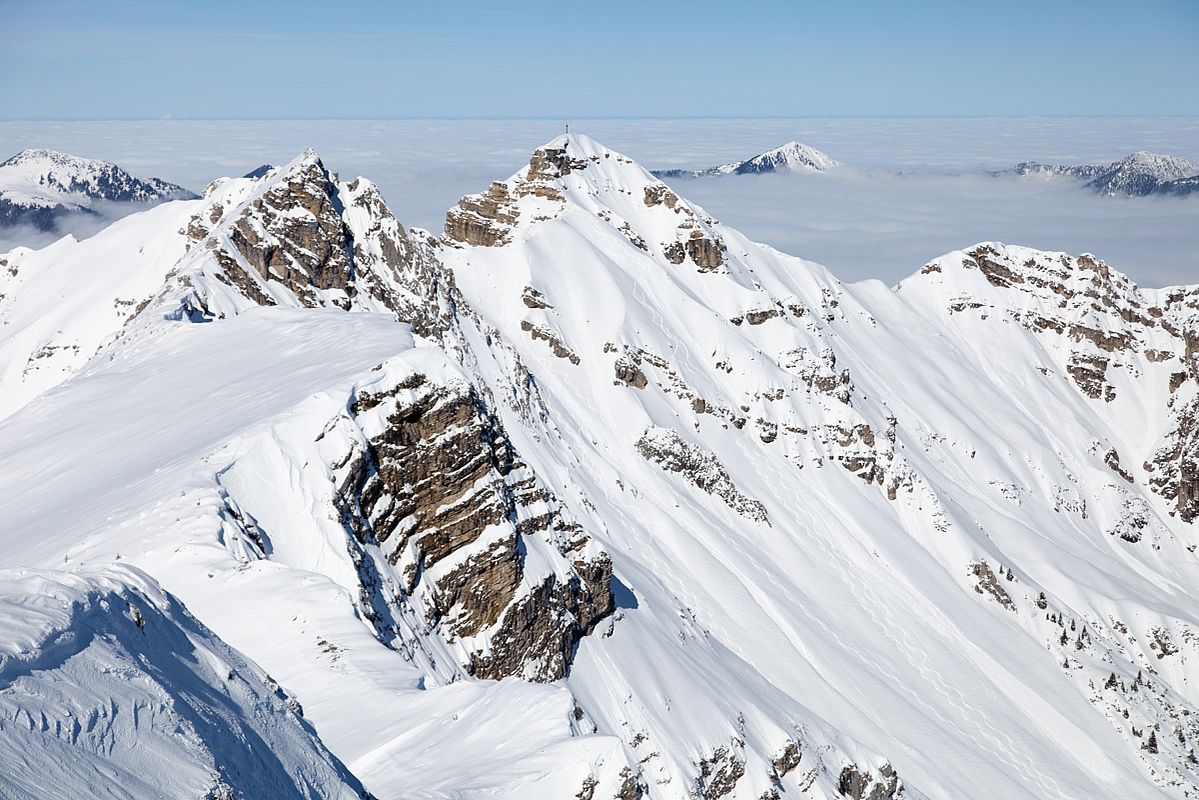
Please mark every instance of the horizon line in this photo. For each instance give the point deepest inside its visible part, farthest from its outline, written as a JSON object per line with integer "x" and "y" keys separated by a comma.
{"x": 559, "y": 118}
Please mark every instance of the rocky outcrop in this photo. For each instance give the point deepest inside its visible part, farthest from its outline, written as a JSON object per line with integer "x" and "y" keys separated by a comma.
{"x": 629, "y": 372}
{"x": 719, "y": 773}
{"x": 487, "y": 219}
{"x": 698, "y": 467}
{"x": 862, "y": 785}
{"x": 1089, "y": 372}
{"x": 454, "y": 510}
{"x": 1174, "y": 467}
{"x": 298, "y": 236}
{"x": 483, "y": 220}
{"x": 294, "y": 234}
{"x": 988, "y": 583}
{"x": 556, "y": 345}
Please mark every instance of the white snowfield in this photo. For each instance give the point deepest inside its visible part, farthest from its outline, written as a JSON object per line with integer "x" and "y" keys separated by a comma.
{"x": 926, "y": 541}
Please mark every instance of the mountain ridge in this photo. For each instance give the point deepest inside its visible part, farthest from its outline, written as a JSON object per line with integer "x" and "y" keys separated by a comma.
{"x": 1139, "y": 174}
{"x": 842, "y": 526}
{"x": 40, "y": 187}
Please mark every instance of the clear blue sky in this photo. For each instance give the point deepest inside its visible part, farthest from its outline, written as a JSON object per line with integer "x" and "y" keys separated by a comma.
{"x": 212, "y": 59}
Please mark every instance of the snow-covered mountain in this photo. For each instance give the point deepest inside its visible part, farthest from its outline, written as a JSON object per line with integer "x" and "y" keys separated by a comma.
{"x": 791, "y": 157}
{"x": 591, "y": 496}
{"x": 38, "y": 187}
{"x": 1136, "y": 175}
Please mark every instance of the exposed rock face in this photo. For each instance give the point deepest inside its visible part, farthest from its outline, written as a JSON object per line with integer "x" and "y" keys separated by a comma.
{"x": 298, "y": 236}
{"x": 861, "y": 785}
{"x": 706, "y": 253}
{"x": 718, "y": 774}
{"x": 1090, "y": 373}
{"x": 454, "y": 509}
{"x": 1174, "y": 467}
{"x": 294, "y": 234}
{"x": 542, "y": 333}
{"x": 486, "y": 220}
{"x": 988, "y": 583}
{"x": 701, "y": 244}
{"x": 672, "y": 453}
{"x": 628, "y": 372}
{"x": 483, "y": 220}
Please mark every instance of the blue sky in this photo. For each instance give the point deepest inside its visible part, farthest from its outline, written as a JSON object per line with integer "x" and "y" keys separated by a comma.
{"x": 145, "y": 59}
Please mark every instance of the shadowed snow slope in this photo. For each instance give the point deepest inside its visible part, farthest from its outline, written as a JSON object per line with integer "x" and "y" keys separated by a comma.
{"x": 722, "y": 526}
{"x": 110, "y": 688}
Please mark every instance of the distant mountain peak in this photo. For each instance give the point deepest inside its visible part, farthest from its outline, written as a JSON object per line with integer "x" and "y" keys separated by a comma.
{"x": 1136, "y": 175}
{"x": 38, "y": 186}
{"x": 790, "y": 157}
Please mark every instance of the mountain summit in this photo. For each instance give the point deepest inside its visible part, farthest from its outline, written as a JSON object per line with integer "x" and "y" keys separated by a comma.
{"x": 593, "y": 496}
{"x": 791, "y": 157}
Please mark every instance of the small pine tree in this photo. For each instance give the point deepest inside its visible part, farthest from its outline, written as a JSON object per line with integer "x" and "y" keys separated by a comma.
{"x": 1151, "y": 745}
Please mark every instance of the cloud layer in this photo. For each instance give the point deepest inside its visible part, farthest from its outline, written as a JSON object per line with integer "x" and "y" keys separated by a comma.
{"x": 912, "y": 190}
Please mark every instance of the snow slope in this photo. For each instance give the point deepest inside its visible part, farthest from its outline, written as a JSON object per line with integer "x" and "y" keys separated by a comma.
{"x": 820, "y": 402}
{"x": 110, "y": 688}
{"x": 59, "y": 304}
{"x": 721, "y": 525}
{"x": 144, "y": 489}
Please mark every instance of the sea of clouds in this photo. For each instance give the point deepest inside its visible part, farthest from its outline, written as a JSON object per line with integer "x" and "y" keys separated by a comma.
{"x": 911, "y": 189}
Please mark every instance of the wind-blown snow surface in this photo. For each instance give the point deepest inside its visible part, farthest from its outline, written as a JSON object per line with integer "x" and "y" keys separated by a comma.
{"x": 110, "y": 688}
{"x": 921, "y": 541}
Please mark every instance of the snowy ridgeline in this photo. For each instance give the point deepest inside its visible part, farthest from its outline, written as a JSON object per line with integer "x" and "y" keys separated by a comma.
{"x": 587, "y": 497}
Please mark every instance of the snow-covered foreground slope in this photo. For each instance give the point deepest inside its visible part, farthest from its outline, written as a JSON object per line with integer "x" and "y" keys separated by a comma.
{"x": 110, "y": 688}
{"x": 59, "y": 304}
{"x": 721, "y": 525}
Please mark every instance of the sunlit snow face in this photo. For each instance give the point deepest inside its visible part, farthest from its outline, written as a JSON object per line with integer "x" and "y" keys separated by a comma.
{"x": 864, "y": 221}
